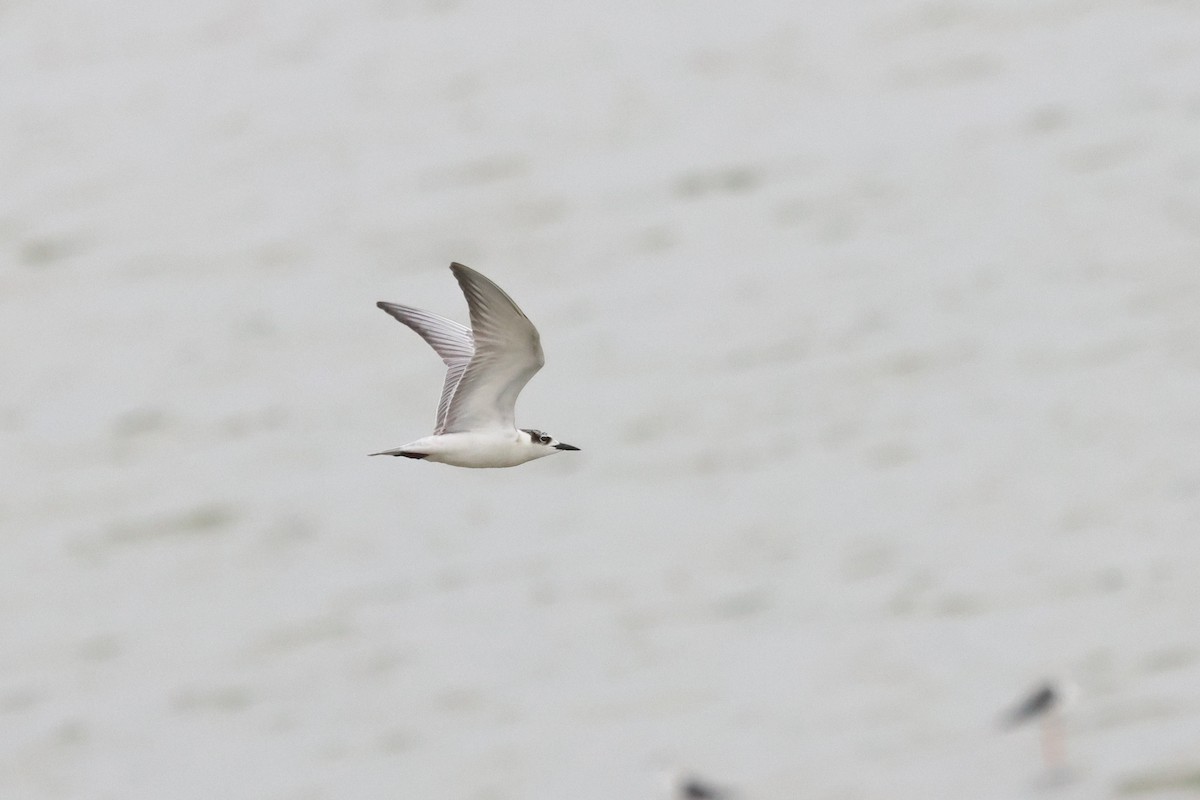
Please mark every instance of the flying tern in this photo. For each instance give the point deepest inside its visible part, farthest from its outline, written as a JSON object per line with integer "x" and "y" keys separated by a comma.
{"x": 487, "y": 365}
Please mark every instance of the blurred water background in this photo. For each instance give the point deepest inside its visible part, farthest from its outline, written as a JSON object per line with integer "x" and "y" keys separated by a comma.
{"x": 877, "y": 324}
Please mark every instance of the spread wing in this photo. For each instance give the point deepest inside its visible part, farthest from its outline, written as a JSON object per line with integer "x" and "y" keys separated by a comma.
{"x": 450, "y": 340}
{"x": 507, "y": 353}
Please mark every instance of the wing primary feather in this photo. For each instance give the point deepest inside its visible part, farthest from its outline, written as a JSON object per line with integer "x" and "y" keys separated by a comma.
{"x": 450, "y": 340}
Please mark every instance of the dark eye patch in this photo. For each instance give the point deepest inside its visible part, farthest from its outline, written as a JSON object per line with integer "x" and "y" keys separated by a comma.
{"x": 537, "y": 436}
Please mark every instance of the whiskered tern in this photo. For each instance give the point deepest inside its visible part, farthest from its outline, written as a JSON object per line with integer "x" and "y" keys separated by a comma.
{"x": 487, "y": 366}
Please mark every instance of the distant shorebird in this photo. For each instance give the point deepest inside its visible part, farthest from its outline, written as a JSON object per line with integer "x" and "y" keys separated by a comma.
{"x": 680, "y": 785}
{"x": 487, "y": 365}
{"x": 692, "y": 788}
{"x": 1046, "y": 702}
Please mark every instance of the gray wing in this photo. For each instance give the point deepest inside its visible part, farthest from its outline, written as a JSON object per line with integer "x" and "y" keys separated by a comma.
{"x": 451, "y": 341}
{"x": 508, "y": 352}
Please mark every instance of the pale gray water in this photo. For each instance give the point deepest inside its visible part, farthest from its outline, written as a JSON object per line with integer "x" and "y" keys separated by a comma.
{"x": 877, "y": 324}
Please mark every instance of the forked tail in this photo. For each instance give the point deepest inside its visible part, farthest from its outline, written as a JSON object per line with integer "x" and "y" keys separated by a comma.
{"x": 401, "y": 452}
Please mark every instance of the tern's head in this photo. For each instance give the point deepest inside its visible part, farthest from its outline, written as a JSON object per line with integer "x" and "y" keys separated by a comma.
{"x": 544, "y": 443}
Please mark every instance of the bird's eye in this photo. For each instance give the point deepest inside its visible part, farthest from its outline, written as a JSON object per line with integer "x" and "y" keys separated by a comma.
{"x": 544, "y": 438}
